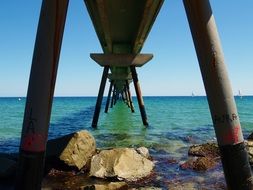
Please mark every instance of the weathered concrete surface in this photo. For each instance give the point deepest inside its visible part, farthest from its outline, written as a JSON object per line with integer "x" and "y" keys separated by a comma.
{"x": 123, "y": 163}
{"x": 75, "y": 149}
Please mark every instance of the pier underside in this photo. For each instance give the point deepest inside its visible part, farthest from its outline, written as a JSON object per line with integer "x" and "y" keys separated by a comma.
{"x": 122, "y": 27}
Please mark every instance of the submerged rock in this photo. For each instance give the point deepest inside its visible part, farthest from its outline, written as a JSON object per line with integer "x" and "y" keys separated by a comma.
{"x": 183, "y": 186}
{"x": 75, "y": 149}
{"x": 202, "y": 157}
{"x": 250, "y": 137}
{"x": 147, "y": 188}
{"x": 199, "y": 163}
{"x": 123, "y": 163}
{"x": 7, "y": 167}
{"x": 205, "y": 150}
{"x": 110, "y": 186}
{"x": 204, "y": 163}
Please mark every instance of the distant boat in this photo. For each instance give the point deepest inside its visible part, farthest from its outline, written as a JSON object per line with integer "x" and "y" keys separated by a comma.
{"x": 239, "y": 94}
{"x": 19, "y": 99}
{"x": 193, "y": 94}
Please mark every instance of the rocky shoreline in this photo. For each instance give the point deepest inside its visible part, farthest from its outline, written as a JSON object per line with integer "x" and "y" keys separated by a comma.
{"x": 74, "y": 162}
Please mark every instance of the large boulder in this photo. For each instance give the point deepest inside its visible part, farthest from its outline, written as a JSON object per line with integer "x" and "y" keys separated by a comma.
{"x": 75, "y": 149}
{"x": 123, "y": 163}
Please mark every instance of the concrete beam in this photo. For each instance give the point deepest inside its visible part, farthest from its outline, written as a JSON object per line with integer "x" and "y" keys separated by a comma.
{"x": 121, "y": 60}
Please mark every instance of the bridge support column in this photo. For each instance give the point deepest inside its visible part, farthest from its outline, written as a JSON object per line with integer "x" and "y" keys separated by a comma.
{"x": 40, "y": 94}
{"x": 139, "y": 96}
{"x": 219, "y": 94}
{"x": 130, "y": 97}
{"x": 127, "y": 97}
{"x": 100, "y": 97}
{"x": 116, "y": 95}
{"x": 113, "y": 96}
{"x": 108, "y": 97}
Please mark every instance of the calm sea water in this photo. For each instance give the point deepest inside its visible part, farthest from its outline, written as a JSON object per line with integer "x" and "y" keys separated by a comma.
{"x": 175, "y": 124}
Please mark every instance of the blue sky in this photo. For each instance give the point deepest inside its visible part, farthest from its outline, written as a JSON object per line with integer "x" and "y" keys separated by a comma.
{"x": 174, "y": 69}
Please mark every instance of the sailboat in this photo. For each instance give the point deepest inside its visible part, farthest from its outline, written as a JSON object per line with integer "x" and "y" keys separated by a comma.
{"x": 239, "y": 94}
{"x": 193, "y": 94}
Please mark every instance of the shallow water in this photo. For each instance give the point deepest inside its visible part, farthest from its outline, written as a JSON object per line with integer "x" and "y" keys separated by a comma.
{"x": 175, "y": 124}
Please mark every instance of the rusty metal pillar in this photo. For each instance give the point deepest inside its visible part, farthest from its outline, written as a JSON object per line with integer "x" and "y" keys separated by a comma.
{"x": 100, "y": 97}
{"x": 139, "y": 96}
{"x": 219, "y": 94}
{"x": 108, "y": 97}
{"x": 130, "y": 97}
{"x": 40, "y": 94}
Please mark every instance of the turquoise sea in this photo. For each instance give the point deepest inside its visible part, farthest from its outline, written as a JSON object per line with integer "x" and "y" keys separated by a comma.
{"x": 175, "y": 124}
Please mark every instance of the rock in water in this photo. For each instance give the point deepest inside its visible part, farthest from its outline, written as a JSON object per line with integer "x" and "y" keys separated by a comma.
{"x": 143, "y": 151}
{"x": 110, "y": 186}
{"x": 75, "y": 149}
{"x": 250, "y": 137}
{"x": 205, "y": 150}
{"x": 249, "y": 148}
{"x": 123, "y": 163}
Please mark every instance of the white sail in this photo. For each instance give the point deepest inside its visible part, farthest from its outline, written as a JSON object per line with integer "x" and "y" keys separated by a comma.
{"x": 239, "y": 94}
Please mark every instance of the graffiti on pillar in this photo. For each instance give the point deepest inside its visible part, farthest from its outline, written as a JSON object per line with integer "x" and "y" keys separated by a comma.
{"x": 232, "y": 136}
{"x": 225, "y": 118}
{"x": 33, "y": 141}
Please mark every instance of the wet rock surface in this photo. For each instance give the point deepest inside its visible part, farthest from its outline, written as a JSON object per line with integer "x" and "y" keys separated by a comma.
{"x": 210, "y": 150}
{"x": 202, "y": 157}
{"x": 249, "y": 148}
{"x": 199, "y": 163}
{"x": 110, "y": 186}
{"x": 164, "y": 172}
{"x": 123, "y": 163}
{"x": 183, "y": 186}
{"x": 74, "y": 150}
